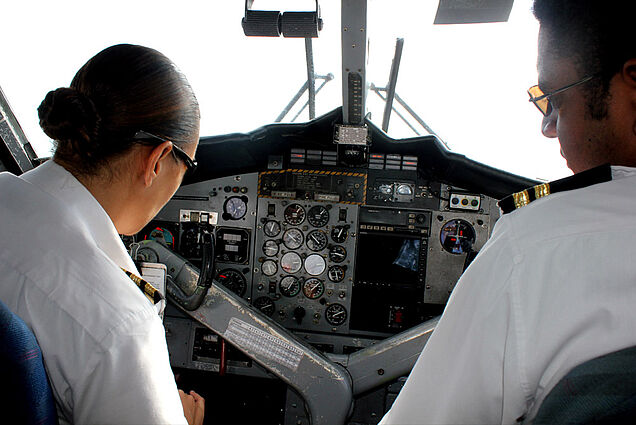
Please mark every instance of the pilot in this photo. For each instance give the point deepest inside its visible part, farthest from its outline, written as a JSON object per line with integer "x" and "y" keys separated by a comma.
{"x": 555, "y": 285}
{"x": 125, "y": 132}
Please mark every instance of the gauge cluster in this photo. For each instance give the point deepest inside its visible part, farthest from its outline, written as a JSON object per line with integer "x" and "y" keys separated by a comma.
{"x": 226, "y": 207}
{"x": 304, "y": 255}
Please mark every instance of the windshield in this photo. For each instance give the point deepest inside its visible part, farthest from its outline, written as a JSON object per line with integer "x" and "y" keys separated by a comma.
{"x": 466, "y": 82}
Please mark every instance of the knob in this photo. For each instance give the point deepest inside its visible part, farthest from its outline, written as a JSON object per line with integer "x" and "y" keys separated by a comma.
{"x": 299, "y": 314}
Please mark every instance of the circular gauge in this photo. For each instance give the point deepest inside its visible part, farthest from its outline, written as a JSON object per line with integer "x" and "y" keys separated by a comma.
{"x": 337, "y": 254}
{"x": 293, "y": 238}
{"x": 386, "y": 189}
{"x": 336, "y": 314}
{"x": 336, "y": 273}
{"x": 235, "y": 208}
{"x": 289, "y": 286}
{"x": 457, "y": 236}
{"x": 269, "y": 268}
{"x": 270, "y": 248}
{"x": 265, "y": 305}
{"x": 291, "y": 262}
{"x": 294, "y": 214}
{"x": 339, "y": 233}
{"x": 161, "y": 235}
{"x": 313, "y": 288}
{"x": 404, "y": 189}
{"x": 232, "y": 280}
{"x": 317, "y": 240}
{"x": 315, "y": 264}
{"x": 271, "y": 228}
{"x": 318, "y": 216}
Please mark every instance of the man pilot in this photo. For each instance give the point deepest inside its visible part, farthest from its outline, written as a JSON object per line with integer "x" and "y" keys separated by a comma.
{"x": 555, "y": 285}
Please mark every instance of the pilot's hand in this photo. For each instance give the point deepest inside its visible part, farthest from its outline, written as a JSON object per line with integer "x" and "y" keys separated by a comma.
{"x": 193, "y": 407}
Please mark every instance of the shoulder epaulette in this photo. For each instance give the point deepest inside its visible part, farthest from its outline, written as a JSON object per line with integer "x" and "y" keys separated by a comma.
{"x": 580, "y": 180}
{"x": 149, "y": 291}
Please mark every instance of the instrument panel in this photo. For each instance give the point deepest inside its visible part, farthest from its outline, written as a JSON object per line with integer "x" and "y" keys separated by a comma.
{"x": 343, "y": 258}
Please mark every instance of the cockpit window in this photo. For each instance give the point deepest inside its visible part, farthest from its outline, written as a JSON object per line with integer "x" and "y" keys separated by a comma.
{"x": 466, "y": 83}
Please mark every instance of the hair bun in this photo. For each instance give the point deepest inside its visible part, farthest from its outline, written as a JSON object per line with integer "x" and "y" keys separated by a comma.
{"x": 68, "y": 115}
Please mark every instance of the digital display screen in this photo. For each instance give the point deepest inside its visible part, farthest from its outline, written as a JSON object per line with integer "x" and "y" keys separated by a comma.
{"x": 232, "y": 237}
{"x": 388, "y": 258}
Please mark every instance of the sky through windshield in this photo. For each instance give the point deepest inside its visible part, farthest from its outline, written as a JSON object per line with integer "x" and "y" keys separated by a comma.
{"x": 467, "y": 82}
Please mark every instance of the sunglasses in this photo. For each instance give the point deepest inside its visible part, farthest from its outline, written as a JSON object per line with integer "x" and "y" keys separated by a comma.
{"x": 542, "y": 100}
{"x": 191, "y": 164}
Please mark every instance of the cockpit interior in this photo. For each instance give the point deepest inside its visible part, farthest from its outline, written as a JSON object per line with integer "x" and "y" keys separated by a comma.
{"x": 343, "y": 251}
{"x": 307, "y": 263}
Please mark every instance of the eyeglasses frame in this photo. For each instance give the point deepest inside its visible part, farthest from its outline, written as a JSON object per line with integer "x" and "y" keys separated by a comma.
{"x": 552, "y": 93}
{"x": 191, "y": 164}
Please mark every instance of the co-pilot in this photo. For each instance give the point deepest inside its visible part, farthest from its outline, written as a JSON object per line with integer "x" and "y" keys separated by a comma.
{"x": 125, "y": 132}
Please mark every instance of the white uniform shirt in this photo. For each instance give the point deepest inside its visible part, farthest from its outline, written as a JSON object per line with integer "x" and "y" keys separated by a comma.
{"x": 553, "y": 287}
{"x": 103, "y": 344}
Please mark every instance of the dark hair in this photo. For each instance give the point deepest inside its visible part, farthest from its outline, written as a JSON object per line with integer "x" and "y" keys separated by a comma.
{"x": 598, "y": 35}
{"x": 121, "y": 90}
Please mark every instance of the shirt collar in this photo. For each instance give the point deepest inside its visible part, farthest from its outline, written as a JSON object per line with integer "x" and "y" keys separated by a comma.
{"x": 619, "y": 172}
{"x": 84, "y": 208}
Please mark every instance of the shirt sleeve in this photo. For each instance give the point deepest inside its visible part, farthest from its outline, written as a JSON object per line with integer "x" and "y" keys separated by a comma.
{"x": 129, "y": 380}
{"x": 469, "y": 369}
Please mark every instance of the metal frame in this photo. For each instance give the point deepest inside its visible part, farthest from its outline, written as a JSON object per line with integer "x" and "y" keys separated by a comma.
{"x": 311, "y": 78}
{"x": 299, "y": 94}
{"x": 395, "y": 68}
{"x": 420, "y": 121}
{"x": 19, "y": 156}
{"x": 354, "y": 54}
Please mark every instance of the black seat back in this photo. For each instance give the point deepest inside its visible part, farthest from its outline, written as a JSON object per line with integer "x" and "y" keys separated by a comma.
{"x": 599, "y": 391}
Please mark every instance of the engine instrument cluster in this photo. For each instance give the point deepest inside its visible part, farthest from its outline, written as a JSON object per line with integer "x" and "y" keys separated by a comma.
{"x": 305, "y": 270}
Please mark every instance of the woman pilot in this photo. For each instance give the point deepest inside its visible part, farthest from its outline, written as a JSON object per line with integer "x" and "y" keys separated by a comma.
{"x": 125, "y": 133}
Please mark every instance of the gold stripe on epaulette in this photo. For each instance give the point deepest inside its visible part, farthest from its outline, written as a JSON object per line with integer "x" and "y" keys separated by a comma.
{"x": 148, "y": 290}
{"x": 541, "y": 190}
{"x": 521, "y": 198}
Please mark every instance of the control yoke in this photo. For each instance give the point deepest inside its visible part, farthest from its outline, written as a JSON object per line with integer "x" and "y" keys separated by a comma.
{"x": 182, "y": 277}
{"x": 326, "y": 384}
